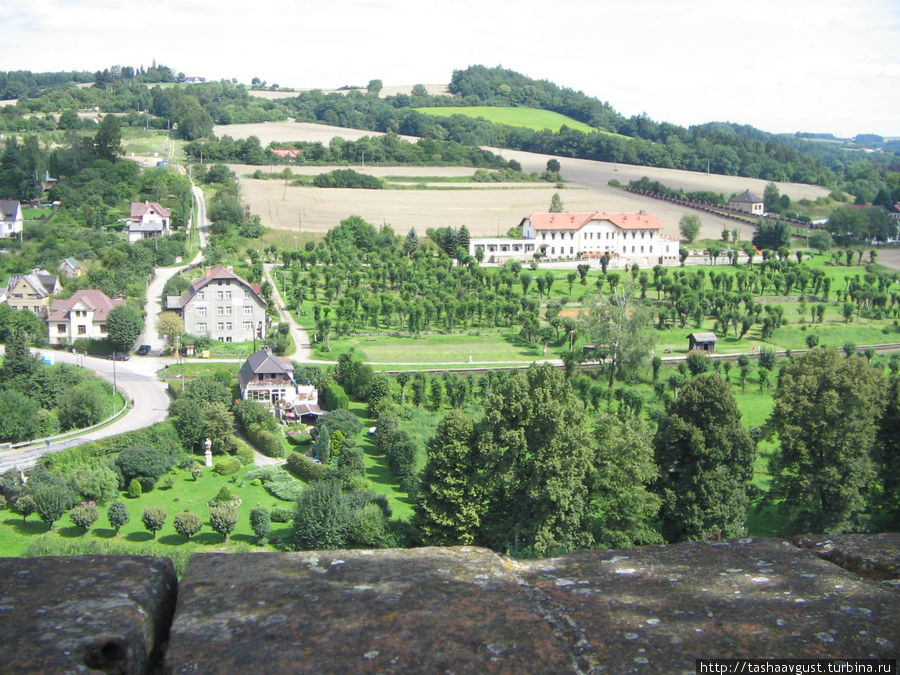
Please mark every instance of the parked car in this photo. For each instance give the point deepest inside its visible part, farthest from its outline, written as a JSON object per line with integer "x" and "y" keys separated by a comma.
{"x": 143, "y": 350}
{"x": 118, "y": 356}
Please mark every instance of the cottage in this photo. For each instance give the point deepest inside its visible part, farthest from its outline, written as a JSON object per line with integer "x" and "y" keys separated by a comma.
{"x": 269, "y": 379}
{"x": 747, "y": 202}
{"x": 11, "y": 220}
{"x": 70, "y": 268}
{"x": 84, "y": 315}
{"x": 704, "y": 342}
{"x": 31, "y": 291}
{"x": 223, "y": 306}
{"x": 147, "y": 220}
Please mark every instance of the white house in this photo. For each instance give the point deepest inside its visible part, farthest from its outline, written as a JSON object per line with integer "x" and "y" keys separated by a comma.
{"x": 148, "y": 219}
{"x": 748, "y": 203}
{"x": 269, "y": 379}
{"x": 627, "y": 238}
{"x": 83, "y": 315}
{"x": 10, "y": 218}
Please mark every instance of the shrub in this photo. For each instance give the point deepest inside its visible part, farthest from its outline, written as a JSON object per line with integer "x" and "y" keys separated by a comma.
{"x": 84, "y": 516}
{"x": 25, "y": 506}
{"x": 366, "y": 526}
{"x": 304, "y": 468}
{"x": 134, "y": 488}
{"x": 117, "y": 515}
{"x": 245, "y": 453}
{"x": 153, "y": 518}
{"x": 261, "y": 524}
{"x": 51, "y": 501}
{"x": 299, "y": 439}
{"x": 223, "y": 518}
{"x": 224, "y": 496}
{"x": 144, "y": 463}
{"x": 281, "y": 514}
{"x": 227, "y": 466}
{"x": 99, "y": 485}
{"x": 187, "y": 524}
{"x": 267, "y": 442}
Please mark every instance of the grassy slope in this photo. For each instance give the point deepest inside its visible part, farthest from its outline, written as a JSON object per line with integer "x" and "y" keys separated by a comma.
{"x": 532, "y": 118}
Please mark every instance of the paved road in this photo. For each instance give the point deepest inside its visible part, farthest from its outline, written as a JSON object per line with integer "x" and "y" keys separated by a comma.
{"x": 136, "y": 378}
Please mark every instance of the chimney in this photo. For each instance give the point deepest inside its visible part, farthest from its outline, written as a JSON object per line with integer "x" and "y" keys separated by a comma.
{"x": 209, "y": 271}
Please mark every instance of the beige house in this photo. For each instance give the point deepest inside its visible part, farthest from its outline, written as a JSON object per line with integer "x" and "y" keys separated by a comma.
{"x": 223, "y": 306}
{"x": 147, "y": 220}
{"x": 748, "y": 203}
{"x": 11, "y": 220}
{"x": 31, "y": 291}
{"x": 83, "y": 315}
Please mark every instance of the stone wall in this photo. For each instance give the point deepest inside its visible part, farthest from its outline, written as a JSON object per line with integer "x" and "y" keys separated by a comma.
{"x": 651, "y": 609}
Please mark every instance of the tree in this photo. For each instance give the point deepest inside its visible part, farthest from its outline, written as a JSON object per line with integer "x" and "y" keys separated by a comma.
{"x": 621, "y": 328}
{"x": 171, "y": 325}
{"x": 260, "y": 523}
{"x": 24, "y": 506}
{"x": 143, "y": 463}
{"x": 689, "y": 225}
{"x": 187, "y": 524}
{"x": 826, "y": 412}
{"x": 108, "y": 139}
{"x": 123, "y": 324}
{"x": 534, "y": 451}
{"x": 321, "y": 518}
{"x": 448, "y": 508}
{"x": 553, "y": 167}
{"x": 51, "y": 501}
{"x": 705, "y": 458}
{"x": 117, "y": 515}
{"x": 153, "y": 518}
{"x": 18, "y": 361}
{"x": 556, "y": 205}
{"x": 624, "y": 506}
{"x": 374, "y": 87}
{"x": 820, "y": 240}
{"x": 82, "y": 405}
{"x": 771, "y": 197}
{"x": 84, "y": 515}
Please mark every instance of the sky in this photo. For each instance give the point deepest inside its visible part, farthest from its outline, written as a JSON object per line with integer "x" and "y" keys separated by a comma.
{"x": 825, "y": 66}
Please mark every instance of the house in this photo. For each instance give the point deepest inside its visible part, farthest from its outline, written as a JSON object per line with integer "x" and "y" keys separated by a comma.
{"x": 287, "y": 153}
{"x": 70, "y": 268}
{"x": 31, "y": 291}
{"x": 147, "y": 220}
{"x": 269, "y": 379}
{"x": 223, "y": 306}
{"x": 747, "y": 202}
{"x": 627, "y": 238}
{"x": 83, "y": 315}
{"x": 704, "y": 342}
{"x": 10, "y": 218}
{"x": 47, "y": 183}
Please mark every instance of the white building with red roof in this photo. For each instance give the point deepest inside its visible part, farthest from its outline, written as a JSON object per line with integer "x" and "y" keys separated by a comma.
{"x": 148, "y": 219}
{"x": 627, "y": 238}
{"x": 83, "y": 315}
{"x": 223, "y": 306}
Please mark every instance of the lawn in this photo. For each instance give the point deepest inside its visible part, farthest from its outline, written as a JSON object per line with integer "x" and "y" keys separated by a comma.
{"x": 531, "y": 118}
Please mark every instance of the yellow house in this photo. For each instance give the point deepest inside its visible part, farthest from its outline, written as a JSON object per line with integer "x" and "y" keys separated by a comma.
{"x": 31, "y": 291}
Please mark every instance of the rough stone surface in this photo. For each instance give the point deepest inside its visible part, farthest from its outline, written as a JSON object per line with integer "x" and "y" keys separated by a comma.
{"x": 84, "y": 614}
{"x": 657, "y": 608}
{"x": 428, "y": 610}
{"x": 874, "y": 556}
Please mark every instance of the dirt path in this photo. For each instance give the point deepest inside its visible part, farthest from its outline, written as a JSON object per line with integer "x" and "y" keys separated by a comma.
{"x": 303, "y": 349}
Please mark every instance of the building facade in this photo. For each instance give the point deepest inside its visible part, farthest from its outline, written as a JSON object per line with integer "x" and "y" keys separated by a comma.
{"x": 11, "y": 220}
{"x": 223, "y": 306}
{"x": 31, "y": 291}
{"x": 147, "y": 220}
{"x": 83, "y": 315}
{"x": 748, "y": 203}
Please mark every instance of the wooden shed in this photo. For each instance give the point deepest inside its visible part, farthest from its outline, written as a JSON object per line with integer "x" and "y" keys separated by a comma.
{"x": 705, "y": 342}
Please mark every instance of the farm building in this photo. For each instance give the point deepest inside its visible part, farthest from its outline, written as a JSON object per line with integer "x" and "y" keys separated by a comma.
{"x": 704, "y": 342}
{"x": 748, "y": 203}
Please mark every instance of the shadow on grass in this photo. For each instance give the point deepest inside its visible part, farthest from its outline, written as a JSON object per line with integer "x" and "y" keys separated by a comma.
{"x": 70, "y": 532}
{"x": 139, "y": 536}
{"x": 103, "y": 533}
{"x": 172, "y": 540}
{"x": 379, "y": 473}
{"x": 26, "y": 526}
{"x": 208, "y": 538}
{"x": 248, "y": 538}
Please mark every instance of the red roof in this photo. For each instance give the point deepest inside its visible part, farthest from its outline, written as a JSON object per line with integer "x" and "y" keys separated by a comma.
{"x": 575, "y": 221}
{"x": 94, "y": 299}
{"x": 138, "y": 209}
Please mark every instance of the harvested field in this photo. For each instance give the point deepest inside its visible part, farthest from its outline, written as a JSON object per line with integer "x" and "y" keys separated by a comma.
{"x": 432, "y": 89}
{"x": 483, "y": 211}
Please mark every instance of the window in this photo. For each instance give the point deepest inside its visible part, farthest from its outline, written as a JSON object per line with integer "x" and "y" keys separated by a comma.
{"x": 228, "y": 310}
{"x": 61, "y": 328}
{"x": 220, "y": 311}
{"x": 103, "y": 329}
{"x": 201, "y": 328}
{"x": 220, "y": 327}
{"x": 228, "y": 295}
{"x": 201, "y": 295}
{"x": 228, "y": 326}
{"x": 247, "y": 310}
{"x": 82, "y": 330}
{"x": 247, "y": 326}
{"x": 200, "y": 311}
{"x": 220, "y": 295}
{"x": 246, "y": 294}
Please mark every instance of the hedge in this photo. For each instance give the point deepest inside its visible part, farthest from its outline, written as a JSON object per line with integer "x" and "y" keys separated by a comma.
{"x": 304, "y": 468}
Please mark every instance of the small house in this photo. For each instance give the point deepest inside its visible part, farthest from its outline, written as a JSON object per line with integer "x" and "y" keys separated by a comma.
{"x": 747, "y": 202}
{"x": 704, "y": 342}
{"x": 147, "y": 220}
{"x": 11, "y": 220}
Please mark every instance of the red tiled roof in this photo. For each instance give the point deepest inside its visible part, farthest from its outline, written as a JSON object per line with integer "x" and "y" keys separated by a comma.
{"x": 217, "y": 273}
{"x": 94, "y": 299}
{"x": 575, "y": 221}
{"x": 138, "y": 209}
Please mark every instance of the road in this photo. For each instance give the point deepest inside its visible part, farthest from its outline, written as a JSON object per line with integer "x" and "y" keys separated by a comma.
{"x": 136, "y": 378}
{"x": 302, "y": 350}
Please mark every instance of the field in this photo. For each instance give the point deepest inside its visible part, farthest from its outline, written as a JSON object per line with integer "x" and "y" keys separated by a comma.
{"x": 485, "y": 211}
{"x": 531, "y": 118}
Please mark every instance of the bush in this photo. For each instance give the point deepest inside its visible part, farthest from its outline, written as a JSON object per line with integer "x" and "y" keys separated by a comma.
{"x": 304, "y": 468}
{"x": 267, "y": 442}
{"x": 366, "y": 526}
{"x": 145, "y": 463}
{"x": 99, "y": 485}
{"x": 224, "y": 496}
{"x": 187, "y": 524}
{"x": 134, "y": 488}
{"x": 245, "y": 453}
{"x": 223, "y": 518}
{"x": 227, "y": 466}
{"x": 153, "y": 518}
{"x": 84, "y": 516}
{"x": 281, "y": 514}
{"x": 51, "y": 501}
{"x": 117, "y": 515}
{"x": 261, "y": 524}
{"x": 299, "y": 439}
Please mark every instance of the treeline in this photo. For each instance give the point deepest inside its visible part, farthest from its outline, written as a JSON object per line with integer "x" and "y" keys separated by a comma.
{"x": 387, "y": 149}
{"x": 24, "y": 83}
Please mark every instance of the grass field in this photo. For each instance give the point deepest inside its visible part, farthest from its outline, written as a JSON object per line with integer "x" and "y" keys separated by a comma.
{"x": 531, "y": 118}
